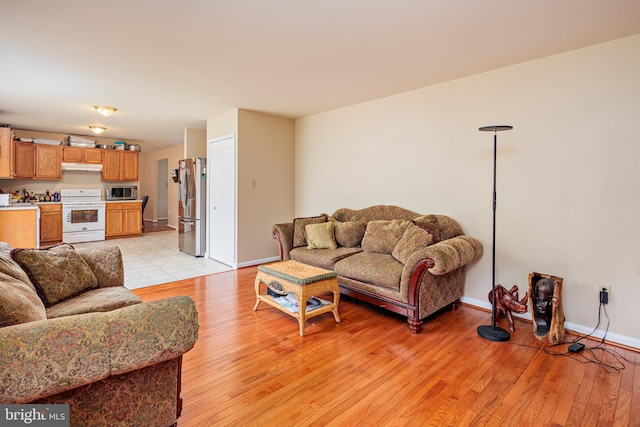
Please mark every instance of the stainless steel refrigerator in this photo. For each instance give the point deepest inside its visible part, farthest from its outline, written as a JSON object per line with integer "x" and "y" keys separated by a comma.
{"x": 192, "y": 206}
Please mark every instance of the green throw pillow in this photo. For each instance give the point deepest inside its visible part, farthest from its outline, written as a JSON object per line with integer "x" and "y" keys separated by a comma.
{"x": 320, "y": 236}
{"x": 299, "y": 224}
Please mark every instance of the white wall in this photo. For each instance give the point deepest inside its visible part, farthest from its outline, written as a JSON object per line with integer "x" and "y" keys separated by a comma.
{"x": 195, "y": 143}
{"x": 265, "y": 182}
{"x": 265, "y": 178}
{"x": 568, "y": 202}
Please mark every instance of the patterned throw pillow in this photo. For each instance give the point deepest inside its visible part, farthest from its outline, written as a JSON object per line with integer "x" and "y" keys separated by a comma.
{"x": 11, "y": 268}
{"x": 413, "y": 239}
{"x": 299, "y": 236}
{"x": 349, "y": 234}
{"x": 18, "y": 302}
{"x": 57, "y": 272}
{"x": 430, "y": 224}
{"x": 106, "y": 263}
{"x": 382, "y": 236}
{"x": 320, "y": 236}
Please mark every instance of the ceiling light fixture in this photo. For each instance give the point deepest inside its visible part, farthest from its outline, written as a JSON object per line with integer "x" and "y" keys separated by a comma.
{"x": 97, "y": 129}
{"x": 105, "y": 110}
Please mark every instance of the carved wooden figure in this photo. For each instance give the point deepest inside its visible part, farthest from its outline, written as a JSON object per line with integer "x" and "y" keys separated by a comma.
{"x": 545, "y": 292}
{"x": 506, "y": 302}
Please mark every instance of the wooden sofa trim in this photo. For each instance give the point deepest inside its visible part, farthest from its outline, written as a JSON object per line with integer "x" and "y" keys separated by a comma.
{"x": 284, "y": 253}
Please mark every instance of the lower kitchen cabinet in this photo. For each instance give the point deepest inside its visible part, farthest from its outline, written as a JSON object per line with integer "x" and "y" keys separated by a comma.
{"x": 50, "y": 224}
{"x": 123, "y": 219}
{"x": 19, "y": 227}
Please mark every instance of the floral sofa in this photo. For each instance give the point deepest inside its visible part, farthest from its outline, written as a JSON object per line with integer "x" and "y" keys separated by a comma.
{"x": 71, "y": 333}
{"x": 402, "y": 261}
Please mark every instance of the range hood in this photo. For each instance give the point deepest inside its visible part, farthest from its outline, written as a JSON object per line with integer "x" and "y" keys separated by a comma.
{"x": 87, "y": 167}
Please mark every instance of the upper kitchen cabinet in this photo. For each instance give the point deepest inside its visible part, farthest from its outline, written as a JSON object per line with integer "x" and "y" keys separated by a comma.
{"x": 81, "y": 155}
{"x": 120, "y": 165}
{"x": 129, "y": 166}
{"x": 34, "y": 161}
{"x": 24, "y": 166}
{"x": 6, "y": 153}
{"x": 48, "y": 162}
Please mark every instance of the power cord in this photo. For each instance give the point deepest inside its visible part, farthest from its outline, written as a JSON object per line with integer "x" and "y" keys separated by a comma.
{"x": 589, "y": 355}
{"x": 586, "y": 355}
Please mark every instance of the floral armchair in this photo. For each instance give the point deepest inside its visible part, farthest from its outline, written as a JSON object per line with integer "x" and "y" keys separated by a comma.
{"x": 114, "y": 359}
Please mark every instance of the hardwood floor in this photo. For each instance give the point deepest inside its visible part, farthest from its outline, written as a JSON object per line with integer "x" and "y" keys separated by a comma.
{"x": 150, "y": 227}
{"x": 252, "y": 368}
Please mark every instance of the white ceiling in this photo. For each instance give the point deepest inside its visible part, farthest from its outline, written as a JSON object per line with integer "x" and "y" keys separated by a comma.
{"x": 170, "y": 64}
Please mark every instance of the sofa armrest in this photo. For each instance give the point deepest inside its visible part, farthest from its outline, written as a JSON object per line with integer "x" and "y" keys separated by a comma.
{"x": 152, "y": 332}
{"x": 106, "y": 263}
{"x": 283, "y": 233}
{"x": 46, "y": 357}
{"x": 447, "y": 255}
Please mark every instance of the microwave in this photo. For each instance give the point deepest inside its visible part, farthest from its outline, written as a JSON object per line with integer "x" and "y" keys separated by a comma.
{"x": 121, "y": 192}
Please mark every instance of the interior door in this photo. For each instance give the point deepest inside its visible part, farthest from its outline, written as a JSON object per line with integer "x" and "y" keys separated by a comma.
{"x": 222, "y": 194}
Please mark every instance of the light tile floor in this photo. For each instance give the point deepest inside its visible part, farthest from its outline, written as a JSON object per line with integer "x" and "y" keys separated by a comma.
{"x": 154, "y": 258}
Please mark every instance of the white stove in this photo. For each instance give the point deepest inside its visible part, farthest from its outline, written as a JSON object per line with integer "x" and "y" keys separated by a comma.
{"x": 83, "y": 215}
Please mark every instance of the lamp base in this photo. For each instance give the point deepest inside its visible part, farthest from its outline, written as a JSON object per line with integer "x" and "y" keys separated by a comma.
{"x": 493, "y": 333}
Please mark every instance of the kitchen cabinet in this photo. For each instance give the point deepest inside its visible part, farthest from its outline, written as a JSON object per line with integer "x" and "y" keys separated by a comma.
{"x": 50, "y": 223}
{"x": 24, "y": 165}
{"x": 34, "y": 161}
{"x": 129, "y": 166}
{"x": 6, "y": 153}
{"x": 120, "y": 165}
{"x": 82, "y": 155}
{"x": 48, "y": 162}
{"x": 123, "y": 219}
{"x": 19, "y": 226}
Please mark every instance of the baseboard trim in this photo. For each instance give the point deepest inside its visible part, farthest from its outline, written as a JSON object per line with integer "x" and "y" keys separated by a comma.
{"x": 257, "y": 262}
{"x": 581, "y": 329}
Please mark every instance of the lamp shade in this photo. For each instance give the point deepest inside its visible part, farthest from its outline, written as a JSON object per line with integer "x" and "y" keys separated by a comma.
{"x": 97, "y": 129}
{"x": 106, "y": 110}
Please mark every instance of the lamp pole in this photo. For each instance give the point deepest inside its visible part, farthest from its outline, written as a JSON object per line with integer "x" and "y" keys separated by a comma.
{"x": 494, "y": 333}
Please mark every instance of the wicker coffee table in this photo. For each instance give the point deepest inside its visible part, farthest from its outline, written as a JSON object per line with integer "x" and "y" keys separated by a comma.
{"x": 304, "y": 281}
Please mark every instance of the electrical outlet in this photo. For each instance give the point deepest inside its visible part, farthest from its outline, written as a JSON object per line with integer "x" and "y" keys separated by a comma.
{"x": 604, "y": 294}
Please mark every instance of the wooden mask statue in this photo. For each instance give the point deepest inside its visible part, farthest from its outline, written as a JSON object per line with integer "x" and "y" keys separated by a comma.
{"x": 545, "y": 293}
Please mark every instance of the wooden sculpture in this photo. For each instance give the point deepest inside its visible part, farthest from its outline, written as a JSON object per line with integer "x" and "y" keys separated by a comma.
{"x": 545, "y": 292}
{"x": 506, "y": 302}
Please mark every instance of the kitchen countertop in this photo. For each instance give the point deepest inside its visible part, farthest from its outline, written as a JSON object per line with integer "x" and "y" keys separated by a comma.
{"x": 27, "y": 206}
{"x": 19, "y": 207}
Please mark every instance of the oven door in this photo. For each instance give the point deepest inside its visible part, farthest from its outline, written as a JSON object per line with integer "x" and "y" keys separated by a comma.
{"x": 83, "y": 222}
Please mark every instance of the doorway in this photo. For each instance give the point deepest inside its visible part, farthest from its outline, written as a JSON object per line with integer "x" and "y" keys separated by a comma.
{"x": 161, "y": 204}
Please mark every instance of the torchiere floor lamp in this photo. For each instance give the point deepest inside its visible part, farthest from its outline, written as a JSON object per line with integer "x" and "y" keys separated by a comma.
{"x": 494, "y": 333}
